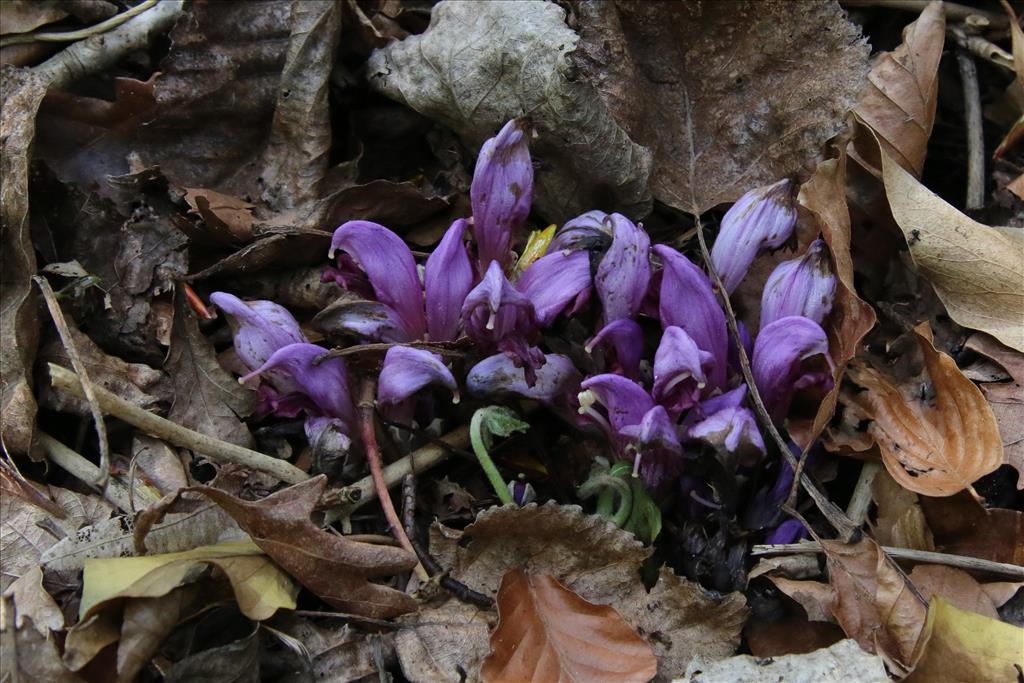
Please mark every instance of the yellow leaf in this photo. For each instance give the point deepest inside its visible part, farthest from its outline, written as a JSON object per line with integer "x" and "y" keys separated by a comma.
{"x": 965, "y": 647}
{"x": 260, "y": 586}
{"x": 536, "y": 245}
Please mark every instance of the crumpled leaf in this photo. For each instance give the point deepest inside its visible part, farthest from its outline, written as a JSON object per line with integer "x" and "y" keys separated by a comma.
{"x": 874, "y": 604}
{"x": 900, "y": 521}
{"x": 903, "y": 86}
{"x": 260, "y": 586}
{"x": 938, "y": 447}
{"x": 25, "y": 655}
{"x": 586, "y": 554}
{"x": 145, "y": 624}
{"x": 546, "y": 632}
{"x": 975, "y": 269}
{"x": 338, "y": 652}
{"x": 845, "y": 661}
{"x": 1006, "y": 399}
{"x": 964, "y": 647}
{"x": 237, "y": 662}
{"x": 334, "y": 568}
{"x": 31, "y": 601}
{"x": 19, "y": 323}
{"x": 962, "y": 590}
{"x": 728, "y": 95}
{"x": 480, "y": 64}
{"x": 206, "y": 397}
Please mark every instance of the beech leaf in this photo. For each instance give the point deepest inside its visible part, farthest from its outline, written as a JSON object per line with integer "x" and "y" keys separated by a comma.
{"x": 936, "y": 448}
{"x": 975, "y": 269}
{"x": 548, "y": 633}
{"x": 1006, "y": 399}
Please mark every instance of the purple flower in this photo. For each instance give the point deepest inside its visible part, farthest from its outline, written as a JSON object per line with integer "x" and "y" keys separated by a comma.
{"x": 555, "y": 281}
{"x": 447, "y": 278}
{"x": 259, "y": 327}
{"x": 583, "y": 232}
{"x": 679, "y": 371}
{"x": 501, "y": 193}
{"x": 625, "y": 271}
{"x": 406, "y": 370}
{"x": 497, "y": 315}
{"x": 777, "y": 364}
{"x": 732, "y": 430}
{"x": 761, "y": 219}
{"x": 803, "y": 286}
{"x": 687, "y": 301}
{"x": 790, "y": 531}
{"x": 657, "y": 455}
{"x": 624, "y": 401}
{"x": 556, "y": 380}
{"x": 627, "y": 340}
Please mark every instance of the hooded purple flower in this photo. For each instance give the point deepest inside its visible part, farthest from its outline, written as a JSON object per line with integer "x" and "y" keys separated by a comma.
{"x": 657, "y": 453}
{"x": 803, "y": 286}
{"x": 406, "y": 370}
{"x": 777, "y": 364}
{"x": 555, "y": 281}
{"x": 556, "y": 380}
{"x": 495, "y": 314}
{"x": 761, "y": 219}
{"x": 728, "y": 426}
{"x": 582, "y": 232}
{"x": 679, "y": 371}
{"x": 625, "y": 271}
{"x": 447, "y": 279}
{"x": 627, "y": 340}
{"x": 259, "y": 327}
{"x": 501, "y": 193}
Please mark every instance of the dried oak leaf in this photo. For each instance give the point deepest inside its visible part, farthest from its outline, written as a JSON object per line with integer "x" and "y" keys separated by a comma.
{"x": 874, "y": 603}
{"x": 19, "y": 322}
{"x": 331, "y": 566}
{"x": 1006, "y": 399}
{"x": 589, "y": 556}
{"x": 206, "y": 397}
{"x": 962, "y": 590}
{"x": 899, "y": 101}
{"x": 548, "y": 633}
{"x": 728, "y": 95}
{"x": 939, "y": 447}
{"x": 481, "y": 64}
{"x": 976, "y": 269}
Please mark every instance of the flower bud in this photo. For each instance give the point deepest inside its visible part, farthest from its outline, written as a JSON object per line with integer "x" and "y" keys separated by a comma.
{"x": 803, "y": 286}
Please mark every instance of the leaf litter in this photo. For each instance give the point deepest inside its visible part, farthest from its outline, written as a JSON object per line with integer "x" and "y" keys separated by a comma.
{"x": 221, "y": 148}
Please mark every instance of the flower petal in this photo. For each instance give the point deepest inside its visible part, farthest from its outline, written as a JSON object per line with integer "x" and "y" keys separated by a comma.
{"x": 368, "y": 320}
{"x": 658, "y": 453}
{"x": 406, "y": 370}
{"x": 447, "y": 279}
{"x": 501, "y": 192}
{"x": 326, "y": 384}
{"x": 495, "y": 310}
{"x": 259, "y": 327}
{"x": 554, "y": 281}
{"x": 732, "y": 430}
{"x": 556, "y": 379}
{"x": 583, "y": 232}
{"x": 779, "y": 350}
{"x": 390, "y": 267}
{"x": 790, "y": 531}
{"x": 625, "y": 270}
{"x": 688, "y": 301}
{"x": 679, "y": 371}
{"x": 327, "y": 434}
{"x": 803, "y": 286}
{"x": 627, "y": 339}
{"x": 624, "y": 400}
{"x": 761, "y": 219}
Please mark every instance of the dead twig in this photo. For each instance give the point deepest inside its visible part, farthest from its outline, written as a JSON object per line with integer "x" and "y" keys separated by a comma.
{"x": 860, "y": 501}
{"x": 975, "y": 135}
{"x": 81, "y": 34}
{"x": 64, "y": 380}
{"x": 89, "y": 391}
{"x": 460, "y": 590}
{"x": 953, "y": 10}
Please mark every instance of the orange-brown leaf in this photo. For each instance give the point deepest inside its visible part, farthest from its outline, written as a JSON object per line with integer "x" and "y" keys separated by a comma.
{"x": 1006, "y": 398}
{"x": 936, "y": 448}
{"x": 548, "y": 633}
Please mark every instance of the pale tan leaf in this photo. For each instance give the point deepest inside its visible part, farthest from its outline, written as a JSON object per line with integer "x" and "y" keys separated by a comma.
{"x": 956, "y": 587}
{"x": 936, "y": 448}
{"x": 845, "y": 661}
{"x": 977, "y": 271}
{"x": 446, "y": 643}
{"x": 548, "y": 633}
{"x": 32, "y": 601}
{"x": 899, "y": 102}
{"x": 900, "y": 521}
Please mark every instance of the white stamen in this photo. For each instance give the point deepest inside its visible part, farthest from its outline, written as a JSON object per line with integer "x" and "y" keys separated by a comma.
{"x": 490, "y": 320}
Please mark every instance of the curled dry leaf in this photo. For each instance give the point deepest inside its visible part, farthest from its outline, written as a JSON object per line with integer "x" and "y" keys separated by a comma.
{"x": 935, "y": 448}
{"x": 735, "y": 94}
{"x": 548, "y": 633}
{"x": 480, "y": 64}
{"x": 844, "y": 661}
{"x": 899, "y": 101}
{"x": 962, "y": 590}
{"x": 977, "y": 270}
{"x": 1006, "y": 399}
{"x": 874, "y": 603}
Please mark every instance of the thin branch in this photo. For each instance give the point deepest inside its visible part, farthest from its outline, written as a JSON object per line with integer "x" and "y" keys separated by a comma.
{"x": 975, "y": 198}
{"x": 68, "y": 382}
{"x": 860, "y": 501}
{"x": 1004, "y": 569}
{"x": 952, "y": 10}
{"x": 103, "y": 473}
{"x": 80, "y": 34}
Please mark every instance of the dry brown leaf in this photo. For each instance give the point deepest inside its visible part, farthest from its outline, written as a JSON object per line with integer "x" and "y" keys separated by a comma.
{"x": 33, "y": 602}
{"x": 900, "y": 521}
{"x": 22, "y": 16}
{"x": 146, "y": 622}
{"x": 1006, "y": 399}
{"x": 548, "y": 633}
{"x": 939, "y": 447}
{"x": 874, "y": 603}
{"x": 960, "y": 589}
{"x": 818, "y": 599}
{"x": 25, "y": 655}
{"x": 228, "y": 219}
{"x": 977, "y": 270}
{"x": 903, "y": 86}
{"x": 790, "y": 636}
{"x": 731, "y": 99}
{"x": 444, "y": 644}
{"x": 962, "y": 527}
{"x": 844, "y": 661}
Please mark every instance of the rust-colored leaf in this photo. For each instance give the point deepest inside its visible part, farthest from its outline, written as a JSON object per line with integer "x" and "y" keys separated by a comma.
{"x": 934, "y": 447}
{"x": 899, "y": 102}
{"x": 962, "y": 527}
{"x": 962, "y": 590}
{"x": 1006, "y": 399}
{"x": 548, "y": 633}
{"x": 875, "y": 605}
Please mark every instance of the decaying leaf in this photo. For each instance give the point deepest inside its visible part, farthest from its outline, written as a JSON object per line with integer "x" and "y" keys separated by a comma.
{"x": 735, "y": 94}
{"x": 874, "y": 604}
{"x": 206, "y": 398}
{"x": 236, "y": 662}
{"x": 546, "y": 632}
{"x": 481, "y": 64}
{"x": 934, "y": 448}
{"x": 977, "y": 270}
{"x": 26, "y": 655}
{"x": 963, "y": 527}
{"x": 260, "y": 586}
{"x": 446, "y": 643}
{"x": 32, "y": 602}
{"x": 19, "y": 324}
{"x": 818, "y": 599}
{"x": 961, "y": 590}
{"x": 145, "y": 623}
{"x": 794, "y": 635}
{"x": 900, "y": 521}
{"x": 1006, "y": 399}
{"x": 339, "y": 652}
{"x": 964, "y": 646}
{"x": 845, "y": 661}
{"x": 903, "y": 86}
